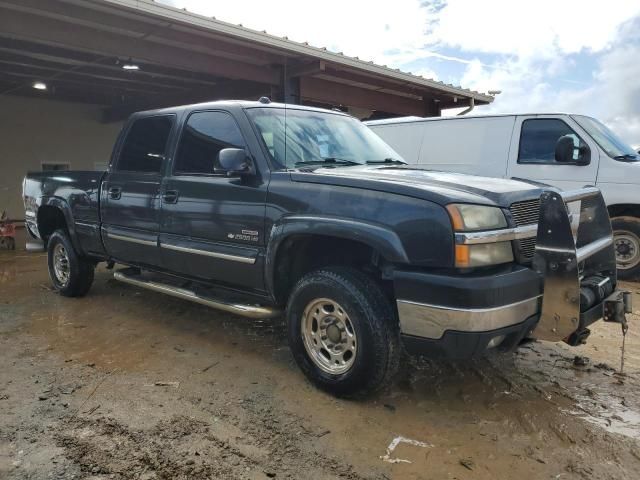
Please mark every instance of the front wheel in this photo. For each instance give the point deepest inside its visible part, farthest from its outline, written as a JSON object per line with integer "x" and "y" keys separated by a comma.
{"x": 626, "y": 238}
{"x": 71, "y": 275}
{"x": 343, "y": 331}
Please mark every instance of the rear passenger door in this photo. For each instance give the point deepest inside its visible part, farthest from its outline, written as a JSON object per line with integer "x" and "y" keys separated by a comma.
{"x": 532, "y": 154}
{"x": 130, "y": 204}
{"x": 212, "y": 225}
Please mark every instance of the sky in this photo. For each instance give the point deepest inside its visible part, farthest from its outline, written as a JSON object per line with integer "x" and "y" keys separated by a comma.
{"x": 544, "y": 55}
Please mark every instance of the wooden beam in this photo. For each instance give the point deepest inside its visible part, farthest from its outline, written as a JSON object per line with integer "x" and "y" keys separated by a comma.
{"x": 105, "y": 18}
{"x": 225, "y": 91}
{"x": 432, "y": 107}
{"x": 124, "y": 79}
{"x": 62, "y": 93}
{"x": 27, "y": 52}
{"x": 379, "y": 83}
{"x": 323, "y": 91}
{"x": 29, "y": 75}
{"x": 306, "y": 69}
{"x": 57, "y": 32}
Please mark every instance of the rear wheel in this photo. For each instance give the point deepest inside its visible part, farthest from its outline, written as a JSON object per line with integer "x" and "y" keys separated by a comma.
{"x": 71, "y": 274}
{"x": 342, "y": 331}
{"x": 626, "y": 239}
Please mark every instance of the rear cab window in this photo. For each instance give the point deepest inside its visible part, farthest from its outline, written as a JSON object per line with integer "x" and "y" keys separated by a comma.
{"x": 145, "y": 145}
{"x": 538, "y": 138}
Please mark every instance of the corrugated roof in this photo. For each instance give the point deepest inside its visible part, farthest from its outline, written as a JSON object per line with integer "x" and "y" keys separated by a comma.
{"x": 185, "y": 17}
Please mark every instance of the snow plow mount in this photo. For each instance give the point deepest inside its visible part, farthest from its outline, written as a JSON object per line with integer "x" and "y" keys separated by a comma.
{"x": 575, "y": 255}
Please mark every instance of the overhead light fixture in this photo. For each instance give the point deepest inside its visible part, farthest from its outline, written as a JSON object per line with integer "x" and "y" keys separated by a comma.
{"x": 39, "y": 85}
{"x": 129, "y": 65}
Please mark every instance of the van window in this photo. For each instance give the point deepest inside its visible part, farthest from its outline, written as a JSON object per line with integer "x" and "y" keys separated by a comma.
{"x": 538, "y": 139}
{"x": 204, "y": 135}
{"x": 145, "y": 145}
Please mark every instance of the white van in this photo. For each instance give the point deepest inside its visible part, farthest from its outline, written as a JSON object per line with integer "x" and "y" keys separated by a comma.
{"x": 565, "y": 150}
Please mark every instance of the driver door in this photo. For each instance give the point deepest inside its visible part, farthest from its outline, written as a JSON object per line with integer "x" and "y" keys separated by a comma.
{"x": 212, "y": 225}
{"x": 532, "y": 153}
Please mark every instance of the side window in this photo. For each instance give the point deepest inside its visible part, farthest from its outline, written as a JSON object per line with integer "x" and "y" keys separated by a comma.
{"x": 145, "y": 145}
{"x": 538, "y": 139}
{"x": 204, "y": 135}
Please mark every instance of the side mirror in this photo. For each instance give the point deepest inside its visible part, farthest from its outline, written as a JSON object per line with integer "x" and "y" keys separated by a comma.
{"x": 565, "y": 149}
{"x": 234, "y": 162}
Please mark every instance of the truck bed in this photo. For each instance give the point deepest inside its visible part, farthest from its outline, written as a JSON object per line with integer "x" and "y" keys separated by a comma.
{"x": 76, "y": 194}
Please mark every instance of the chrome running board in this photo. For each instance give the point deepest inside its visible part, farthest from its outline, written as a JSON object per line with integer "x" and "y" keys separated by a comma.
{"x": 131, "y": 277}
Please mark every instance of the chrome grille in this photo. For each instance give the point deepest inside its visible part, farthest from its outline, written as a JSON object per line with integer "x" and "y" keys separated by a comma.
{"x": 526, "y": 213}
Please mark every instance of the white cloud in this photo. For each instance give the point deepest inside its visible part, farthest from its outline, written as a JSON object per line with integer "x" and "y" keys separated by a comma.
{"x": 541, "y": 28}
{"x": 529, "y": 84}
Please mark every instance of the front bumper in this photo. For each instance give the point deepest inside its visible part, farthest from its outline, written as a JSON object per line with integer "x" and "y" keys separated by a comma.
{"x": 459, "y": 316}
{"x": 570, "y": 285}
{"x": 431, "y": 304}
{"x": 456, "y": 345}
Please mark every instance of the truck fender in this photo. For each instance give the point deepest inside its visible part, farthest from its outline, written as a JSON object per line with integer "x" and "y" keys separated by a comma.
{"x": 385, "y": 241}
{"x": 62, "y": 205}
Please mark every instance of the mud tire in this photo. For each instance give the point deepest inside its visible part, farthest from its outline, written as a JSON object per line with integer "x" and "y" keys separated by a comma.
{"x": 373, "y": 319}
{"x": 81, "y": 270}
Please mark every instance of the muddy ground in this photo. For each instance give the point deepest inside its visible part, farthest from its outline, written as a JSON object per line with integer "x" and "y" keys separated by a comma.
{"x": 126, "y": 383}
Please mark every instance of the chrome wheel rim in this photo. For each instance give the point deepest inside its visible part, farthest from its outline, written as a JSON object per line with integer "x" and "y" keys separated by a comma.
{"x": 329, "y": 337}
{"x": 61, "y": 264}
{"x": 627, "y": 247}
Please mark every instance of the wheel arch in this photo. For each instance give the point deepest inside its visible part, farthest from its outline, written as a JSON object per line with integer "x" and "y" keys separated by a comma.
{"x": 624, "y": 210}
{"x": 300, "y": 243}
{"x": 54, "y": 213}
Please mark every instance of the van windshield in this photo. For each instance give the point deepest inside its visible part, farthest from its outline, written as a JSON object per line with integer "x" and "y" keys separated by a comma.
{"x": 318, "y": 138}
{"x": 607, "y": 140}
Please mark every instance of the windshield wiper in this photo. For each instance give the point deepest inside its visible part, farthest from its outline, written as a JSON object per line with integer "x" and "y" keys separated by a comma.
{"x": 626, "y": 156}
{"x": 387, "y": 160}
{"x": 328, "y": 160}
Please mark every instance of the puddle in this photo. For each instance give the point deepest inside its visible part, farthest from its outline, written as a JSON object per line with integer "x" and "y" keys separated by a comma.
{"x": 611, "y": 412}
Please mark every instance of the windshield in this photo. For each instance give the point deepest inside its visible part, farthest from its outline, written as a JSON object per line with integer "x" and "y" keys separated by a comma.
{"x": 606, "y": 139}
{"x": 318, "y": 138}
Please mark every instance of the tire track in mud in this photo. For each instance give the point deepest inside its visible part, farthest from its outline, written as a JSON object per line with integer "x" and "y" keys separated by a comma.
{"x": 183, "y": 447}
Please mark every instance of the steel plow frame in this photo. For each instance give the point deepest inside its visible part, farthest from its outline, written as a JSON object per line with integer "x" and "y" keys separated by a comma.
{"x": 571, "y": 249}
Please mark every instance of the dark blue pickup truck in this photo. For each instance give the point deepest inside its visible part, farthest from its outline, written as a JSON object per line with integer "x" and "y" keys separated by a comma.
{"x": 263, "y": 209}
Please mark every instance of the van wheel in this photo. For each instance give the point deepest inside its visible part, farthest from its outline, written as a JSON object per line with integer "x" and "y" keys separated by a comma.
{"x": 343, "y": 331}
{"x": 626, "y": 239}
{"x": 70, "y": 274}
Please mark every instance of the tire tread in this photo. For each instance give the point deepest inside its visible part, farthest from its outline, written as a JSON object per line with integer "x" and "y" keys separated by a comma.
{"x": 377, "y": 310}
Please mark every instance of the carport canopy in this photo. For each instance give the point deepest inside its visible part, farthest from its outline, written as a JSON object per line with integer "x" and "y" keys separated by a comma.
{"x": 129, "y": 55}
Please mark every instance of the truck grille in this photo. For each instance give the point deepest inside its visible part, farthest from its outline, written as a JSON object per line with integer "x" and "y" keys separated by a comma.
{"x": 526, "y": 213}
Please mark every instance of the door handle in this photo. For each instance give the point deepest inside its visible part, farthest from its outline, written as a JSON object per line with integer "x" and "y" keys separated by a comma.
{"x": 170, "y": 196}
{"x": 115, "y": 193}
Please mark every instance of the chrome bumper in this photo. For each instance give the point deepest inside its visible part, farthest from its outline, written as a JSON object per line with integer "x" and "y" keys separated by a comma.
{"x": 432, "y": 321}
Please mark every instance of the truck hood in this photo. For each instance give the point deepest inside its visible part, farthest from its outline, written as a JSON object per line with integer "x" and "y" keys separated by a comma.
{"x": 435, "y": 186}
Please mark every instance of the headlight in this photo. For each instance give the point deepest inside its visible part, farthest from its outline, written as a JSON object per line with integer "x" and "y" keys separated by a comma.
{"x": 467, "y": 218}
